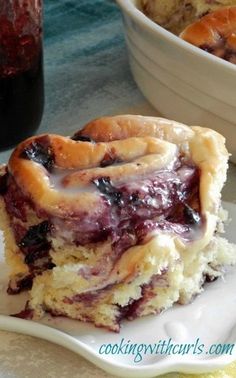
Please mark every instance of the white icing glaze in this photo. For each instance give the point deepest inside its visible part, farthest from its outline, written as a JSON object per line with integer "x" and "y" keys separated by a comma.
{"x": 176, "y": 331}
{"x": 57, "y": 176}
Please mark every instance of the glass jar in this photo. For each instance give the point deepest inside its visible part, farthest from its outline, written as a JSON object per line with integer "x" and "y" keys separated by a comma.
{"x": 21, "y": 70}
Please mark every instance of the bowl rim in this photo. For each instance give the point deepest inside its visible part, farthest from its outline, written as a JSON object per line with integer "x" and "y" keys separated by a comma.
{"x": 130, "y": 8}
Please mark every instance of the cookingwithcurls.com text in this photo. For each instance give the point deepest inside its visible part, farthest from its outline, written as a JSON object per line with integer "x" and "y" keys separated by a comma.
{"x": 163, "y": 347}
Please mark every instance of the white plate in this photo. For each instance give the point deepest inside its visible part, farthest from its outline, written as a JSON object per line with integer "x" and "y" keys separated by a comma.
{"x": 211, "y": 318}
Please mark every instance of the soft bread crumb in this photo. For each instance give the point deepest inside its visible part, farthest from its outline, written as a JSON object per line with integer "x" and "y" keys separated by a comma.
{"x": 183, "y": 271}
{"x": 184, "y": 278}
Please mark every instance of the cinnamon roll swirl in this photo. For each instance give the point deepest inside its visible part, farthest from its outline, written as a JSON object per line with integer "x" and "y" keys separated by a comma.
{"x": 119, "y": 221}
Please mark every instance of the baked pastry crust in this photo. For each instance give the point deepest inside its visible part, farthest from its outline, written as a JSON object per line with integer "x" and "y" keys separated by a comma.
{"x": 90, "y": 279}
{"x": 215, "y": 33}
{"x": 204, "y": 146}
{"x": 152, "y": 143}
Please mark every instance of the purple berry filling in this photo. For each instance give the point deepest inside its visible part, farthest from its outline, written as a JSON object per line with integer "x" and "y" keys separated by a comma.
{"x": 82, "y": 138}
{"x": 40, "y": 152}
{"x": 36, "y": 235}
{"x": 27, "y": 313}
{"x": 3, "y": 184}
{"x": 21, "y": 284}
{"x": 166, "y": 200}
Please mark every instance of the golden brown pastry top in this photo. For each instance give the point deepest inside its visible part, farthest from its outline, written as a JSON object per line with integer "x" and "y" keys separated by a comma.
{"x": 121, "y": 147}
{"x": 215, "y": 33}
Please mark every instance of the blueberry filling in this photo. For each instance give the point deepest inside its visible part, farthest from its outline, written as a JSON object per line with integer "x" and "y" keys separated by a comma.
{"x": 40, "y": 152}
{"x": 15, "y": 201}
{"x": 35, "y": 246}
{"x": 134, "y": 307}
{"x": 109, "y": 159}
{"x": 209, "y": 278}
{"x": 221, "y": 50}
{"x": 82, "y": 138}
{"x": 134, "y": 199}
{"x": 35, "y": 254}
{"x": 146, "y": 227}
{"x": 3, "y": 184}
{"x": 166, "y": 201}
{"x": 191, "y": 216}
{"x": 132, "y": 310}
{"x": 36, "y": 235}
{"x": 166, "y": 194}
{"x": 207, "y": 48}
{"x": 22, "y": 284}
{"x": 126, "y": 214}
{"x": 105, "y": 187}
{"x": 27, "y": 313}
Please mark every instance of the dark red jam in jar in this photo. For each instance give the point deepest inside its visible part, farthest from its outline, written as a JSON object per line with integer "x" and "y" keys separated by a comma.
{"x": 21, "y": 70}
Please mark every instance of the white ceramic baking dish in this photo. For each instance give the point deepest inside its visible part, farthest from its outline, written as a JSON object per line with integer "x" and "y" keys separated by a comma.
{"x": 181, "y": 81}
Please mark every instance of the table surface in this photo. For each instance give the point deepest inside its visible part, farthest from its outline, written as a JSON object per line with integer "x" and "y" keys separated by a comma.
{"x": 86, "y": 75}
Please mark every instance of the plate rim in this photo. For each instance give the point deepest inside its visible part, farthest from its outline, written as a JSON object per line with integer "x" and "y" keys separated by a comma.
{"x": 56, "y": 336}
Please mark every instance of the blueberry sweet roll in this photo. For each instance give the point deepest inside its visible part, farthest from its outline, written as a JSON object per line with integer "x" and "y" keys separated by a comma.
{"x": 215, "y": 33}
{"x": 120, "y": 221}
